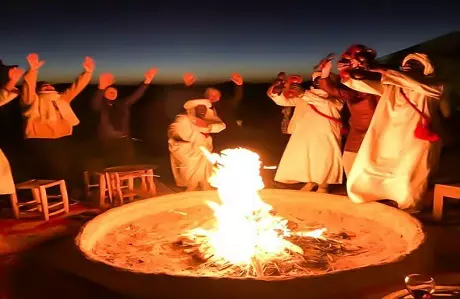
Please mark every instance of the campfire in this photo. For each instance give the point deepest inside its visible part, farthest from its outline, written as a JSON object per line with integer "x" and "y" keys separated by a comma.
{"x": 248, "y": 236}
{"x": 243, "y": 231}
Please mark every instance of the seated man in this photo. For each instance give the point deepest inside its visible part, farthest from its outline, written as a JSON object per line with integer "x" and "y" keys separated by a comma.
{"x": 189, "y": 132}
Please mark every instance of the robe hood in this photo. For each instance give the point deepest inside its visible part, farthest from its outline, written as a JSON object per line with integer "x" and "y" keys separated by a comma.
{"x": 193, "y": 103}
{"x": 423, "y": 59}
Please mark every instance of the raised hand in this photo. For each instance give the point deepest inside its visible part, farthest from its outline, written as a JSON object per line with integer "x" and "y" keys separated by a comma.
{"x": 15, "y": 73}
{"x": 237, "y": 79}
{"x": 189, "y": 79}
{"x": 106, "y": 80}
{"x": 88, "y": 64}
{"x": 150, "y": 74}
{"x": 34, "y": 61}
{"x": 326, "y": 69}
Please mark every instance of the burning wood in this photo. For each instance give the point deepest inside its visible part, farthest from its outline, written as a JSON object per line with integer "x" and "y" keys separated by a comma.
{"x": 316, "y": 254}
{"x": 249, "y": 236}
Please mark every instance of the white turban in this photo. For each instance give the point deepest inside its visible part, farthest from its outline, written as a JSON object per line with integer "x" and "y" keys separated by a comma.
{"x": 193, "y": 103}
{"x": 423, "y": 59}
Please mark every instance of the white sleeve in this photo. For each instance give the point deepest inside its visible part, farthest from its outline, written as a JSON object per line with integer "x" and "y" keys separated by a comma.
{"x": 365, "y": 86}
{"x": 280, "y": 100}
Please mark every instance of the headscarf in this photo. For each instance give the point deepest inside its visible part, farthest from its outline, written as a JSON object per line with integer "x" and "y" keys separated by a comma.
{"x": 423, "y": 59}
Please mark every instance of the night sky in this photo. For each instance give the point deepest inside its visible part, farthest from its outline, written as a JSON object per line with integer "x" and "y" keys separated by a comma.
{"x": 257, "y": 40}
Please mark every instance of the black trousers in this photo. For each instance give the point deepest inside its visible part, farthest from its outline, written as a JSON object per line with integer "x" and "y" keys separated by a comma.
{"x": 56, "y": 159}
{"x": 118, "y": 151}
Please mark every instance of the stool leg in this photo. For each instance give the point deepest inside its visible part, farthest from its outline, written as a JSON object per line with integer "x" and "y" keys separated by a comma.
{"x": 36, "y": 196}
{"x": 102, "y": 190}
{"x": 44, "y": 203}
{"x": 131, "y": 187}
{"x": 65, "y": 196}
{"x": 14, "y": 205}
{"x": 87, "y": 182}
{"x": 108, "y": 180}
{"x": 438, "y": 203}
{"x": 144, "y": 186}
{"x": 152, "y": 186}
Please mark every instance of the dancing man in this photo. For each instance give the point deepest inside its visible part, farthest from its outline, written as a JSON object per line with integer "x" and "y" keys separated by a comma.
{"x": 400, "y": 149}
{"x": 312, "y": 155}
{"x": 49, "y": 122}
{"x": 189, "y": 132}
{"x": 114, "y": 118}
{"x": 361, "y": 105}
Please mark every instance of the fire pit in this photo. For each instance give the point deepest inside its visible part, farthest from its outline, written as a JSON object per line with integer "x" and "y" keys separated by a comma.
{"x": 234, "y": 235}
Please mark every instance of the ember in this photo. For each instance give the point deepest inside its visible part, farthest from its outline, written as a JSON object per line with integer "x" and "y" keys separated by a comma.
{"x": 248, "y": 236}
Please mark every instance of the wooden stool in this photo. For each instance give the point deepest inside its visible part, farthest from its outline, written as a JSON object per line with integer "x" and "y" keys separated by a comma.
{"x": 441, "y": 191}
{"x": 120, "y": 181}
{"x": 101, "y": 185}
{"x": 38, "y": 188}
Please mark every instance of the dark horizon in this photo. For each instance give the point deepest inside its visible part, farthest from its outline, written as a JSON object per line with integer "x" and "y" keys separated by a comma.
{"x": 127, "y": 38}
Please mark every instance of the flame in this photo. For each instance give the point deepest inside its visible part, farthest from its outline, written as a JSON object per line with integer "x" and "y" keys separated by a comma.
{"x": 246, "y": 230}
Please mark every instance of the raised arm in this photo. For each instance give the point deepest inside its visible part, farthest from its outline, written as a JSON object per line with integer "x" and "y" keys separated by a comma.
{"x": 238, "y": 95}
{"x": 280, "y": 100}
{"x": 365, "y": 86}
{"x": 404, "y": 81}
{"x": 10, "y": 92}
{"x": 336, "y": 89}
{"x": 82, "y": 81}
{"x": 29, "y": 93}
{"x": 140, "y": 91}
{"x": 105, "y": 81}
{"x": 216, "y": 125}
{"x": 183, "y": 129}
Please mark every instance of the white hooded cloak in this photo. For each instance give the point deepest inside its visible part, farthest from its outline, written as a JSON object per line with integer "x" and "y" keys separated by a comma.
{"x": 313, "y": 152}
{"x": 392, "y": 163}
{"x": 6, "y": 177}
{"x": 190, "y": 166}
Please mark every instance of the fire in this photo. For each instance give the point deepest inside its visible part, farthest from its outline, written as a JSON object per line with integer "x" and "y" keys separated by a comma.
{"x": 247, "y": 233}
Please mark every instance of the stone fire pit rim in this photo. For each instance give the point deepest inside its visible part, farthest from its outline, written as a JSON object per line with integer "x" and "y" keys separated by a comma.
{"x": 90, "y": 226}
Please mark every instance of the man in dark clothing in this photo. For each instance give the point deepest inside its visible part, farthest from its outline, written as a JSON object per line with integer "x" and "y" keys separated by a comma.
{"x": 114, "y": 122}
{"x": 361, "y": 107}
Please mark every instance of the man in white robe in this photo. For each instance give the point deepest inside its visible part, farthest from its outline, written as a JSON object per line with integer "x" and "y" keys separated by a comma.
{"x": 8, "y": 93}
{"x": 189, "y": 132}
{"x": 313, "y": 153}
{"x": 392, "y": 163}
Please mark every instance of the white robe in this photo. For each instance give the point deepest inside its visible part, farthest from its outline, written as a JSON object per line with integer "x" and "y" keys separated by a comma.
{"x": 189, "y": 165}
{"x": 313, "y": 152}
{"x": 6, "y": 177}
{"x": 392, "y": 163}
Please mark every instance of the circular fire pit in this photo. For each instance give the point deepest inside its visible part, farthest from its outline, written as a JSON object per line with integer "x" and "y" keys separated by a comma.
{"x": 141, "y": 239}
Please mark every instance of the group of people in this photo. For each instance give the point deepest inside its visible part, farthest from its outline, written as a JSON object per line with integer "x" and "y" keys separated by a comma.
{"x": 49, "y": 121}
{"x": 393, "y": 144}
